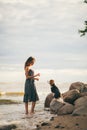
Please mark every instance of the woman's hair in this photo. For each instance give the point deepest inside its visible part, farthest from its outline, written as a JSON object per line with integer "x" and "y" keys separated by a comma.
{"x": 29, "y": 60}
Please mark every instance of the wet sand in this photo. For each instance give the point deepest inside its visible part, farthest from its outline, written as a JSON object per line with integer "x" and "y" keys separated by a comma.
{"x": 65, "y": 122}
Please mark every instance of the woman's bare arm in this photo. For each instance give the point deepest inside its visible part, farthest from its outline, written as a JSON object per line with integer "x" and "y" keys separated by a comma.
{"x": 30, "y": 77}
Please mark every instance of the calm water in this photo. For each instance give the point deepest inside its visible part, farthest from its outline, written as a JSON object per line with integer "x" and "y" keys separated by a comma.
{"x": 43, "y": 90}
{"x": 14, "y": 113}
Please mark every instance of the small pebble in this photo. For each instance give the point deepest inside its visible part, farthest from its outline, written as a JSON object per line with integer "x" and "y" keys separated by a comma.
{"x": 45, "y": 124}
{"x": 58, "y": 126}
{"x": 37, "y": 126}
{"x": 77, "y": 124}
{"x": 52, "y": 118}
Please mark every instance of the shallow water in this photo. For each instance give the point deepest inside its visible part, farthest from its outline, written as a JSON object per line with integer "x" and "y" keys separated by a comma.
{"x": 15, "y": 113}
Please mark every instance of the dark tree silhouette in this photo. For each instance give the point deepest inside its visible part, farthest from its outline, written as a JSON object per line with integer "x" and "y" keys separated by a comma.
{"x": 85, "y": 1}
{"x": 84, "y": 31}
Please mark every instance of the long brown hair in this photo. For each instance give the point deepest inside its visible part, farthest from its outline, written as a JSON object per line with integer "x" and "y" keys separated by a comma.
{"x": 29, "y": 60}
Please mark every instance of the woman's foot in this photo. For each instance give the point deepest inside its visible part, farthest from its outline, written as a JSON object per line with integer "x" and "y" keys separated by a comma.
{"x": 26, "y": 113}
{"x": 32, "y": 112}
{"x": 26, "y": 116}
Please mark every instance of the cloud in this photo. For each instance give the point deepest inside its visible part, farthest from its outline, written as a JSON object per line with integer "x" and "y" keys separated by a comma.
{"x": 59, "y": 75}
{"x": 45, "y": 29}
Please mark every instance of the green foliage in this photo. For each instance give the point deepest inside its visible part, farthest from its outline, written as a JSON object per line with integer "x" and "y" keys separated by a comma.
{"x": 85, "y": 1}
{"x": 84, "y": 31}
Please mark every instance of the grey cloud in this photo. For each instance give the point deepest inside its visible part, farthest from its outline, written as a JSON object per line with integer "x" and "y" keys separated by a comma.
{"x": 46, "y": 29}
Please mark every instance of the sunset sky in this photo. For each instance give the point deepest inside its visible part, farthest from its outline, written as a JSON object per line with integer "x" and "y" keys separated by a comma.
{"x": 46, "y": 30}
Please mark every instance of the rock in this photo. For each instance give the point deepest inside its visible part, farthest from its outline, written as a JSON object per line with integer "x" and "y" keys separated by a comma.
{"x": 80, "y": 106}
{"x": 59, "y": 126}
{"x": 77, "y": 124}
{"x": 85, "y": 89}
{"x": 82, "y": 101}
{"x": 66, "y": 109}
{"x": 48, "y": 100}
{"x": 8, "y": 127}
{"x": 78, "y": 85}
{"x": 83, "y": 94}
{"x": 71, "y": 95}
{"x": 38, "y": 127}
{"x": 52, "y": 118}
{"x": 55, "y": 105}
{"x": 80, "y": 111}
{"x": 45, "y": 124}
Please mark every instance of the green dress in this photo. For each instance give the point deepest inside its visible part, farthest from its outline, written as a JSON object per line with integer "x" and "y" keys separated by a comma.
{"x": 30, "y": 92}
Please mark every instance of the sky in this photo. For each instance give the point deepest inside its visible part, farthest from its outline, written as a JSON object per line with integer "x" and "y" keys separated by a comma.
{"x": 46, "y": 30}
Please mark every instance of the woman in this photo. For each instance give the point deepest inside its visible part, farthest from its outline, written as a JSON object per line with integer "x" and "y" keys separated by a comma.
{"x": 30, "y": 94}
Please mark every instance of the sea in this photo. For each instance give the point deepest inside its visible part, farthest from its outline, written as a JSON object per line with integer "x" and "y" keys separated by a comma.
{"x": 15, "y": 113}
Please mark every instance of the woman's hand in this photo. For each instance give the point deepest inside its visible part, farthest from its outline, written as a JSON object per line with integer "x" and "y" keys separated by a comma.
{"x": 37, "y": 74}
{"x": 36, "y": 79}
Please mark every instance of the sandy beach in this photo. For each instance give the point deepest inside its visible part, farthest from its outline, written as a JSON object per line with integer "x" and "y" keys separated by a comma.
{"x": 14, "y": 118}
{"x": 65, "y": 122}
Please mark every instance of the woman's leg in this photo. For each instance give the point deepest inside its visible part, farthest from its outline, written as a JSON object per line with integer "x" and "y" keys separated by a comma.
{"x": 26, "y": 108}
{"x": 32, "y": 107}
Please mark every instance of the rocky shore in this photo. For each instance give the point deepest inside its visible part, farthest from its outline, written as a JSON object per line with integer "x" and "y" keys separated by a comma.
{"x": 71, "y": 111}
{"x": 74, "y": 101}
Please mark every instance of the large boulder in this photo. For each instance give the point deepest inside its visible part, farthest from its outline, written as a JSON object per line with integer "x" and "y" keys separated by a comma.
{"x": 48, "y": 100}
{"x": 83, "y": 94}
{"x": 80, "y": 106}
{"x": 85, "y": 89}
{"x": 78, "y": 85}
{"x": 71, "y": 96}
{"x": 80, "y": 111}
{"x": 82, "y": 101}
{"x": 66, "y": 109}
{"x": 55, "y": 105}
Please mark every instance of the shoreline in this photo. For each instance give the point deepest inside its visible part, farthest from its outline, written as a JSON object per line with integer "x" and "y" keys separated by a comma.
{"x": 65, "y": 122}
{"x": 45, "y": 121}
{"x": 12, "y": 115}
